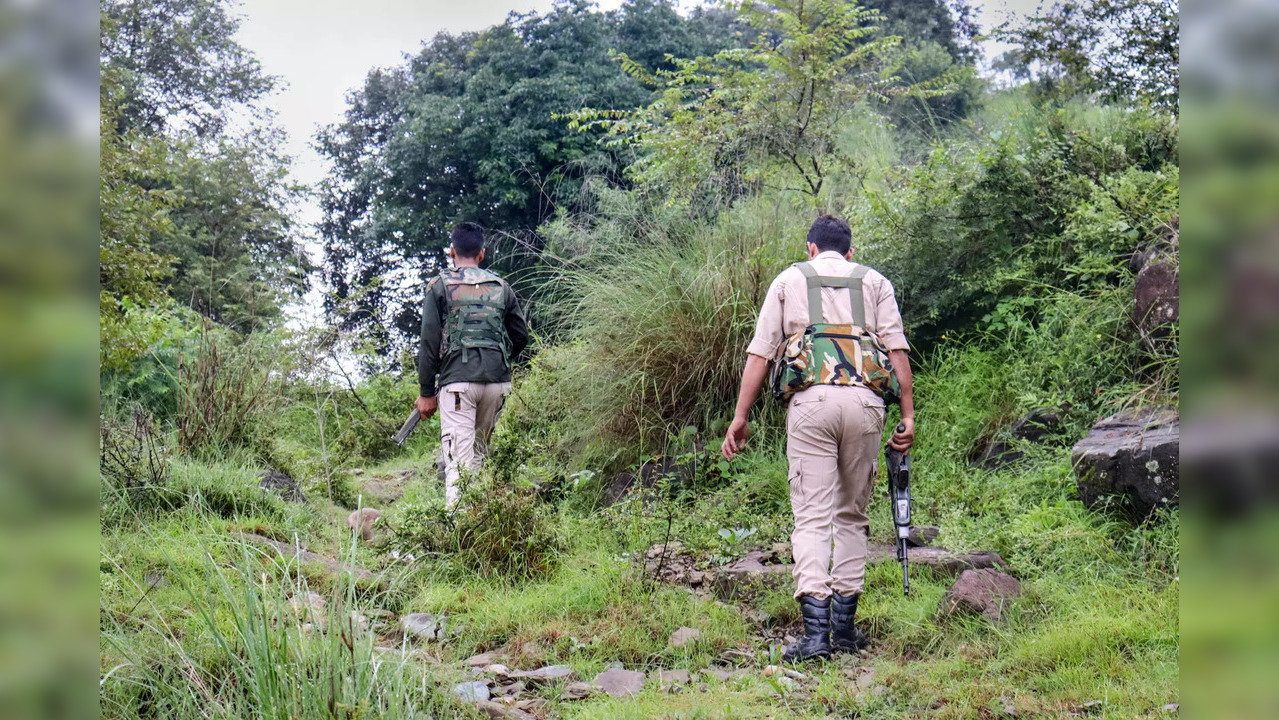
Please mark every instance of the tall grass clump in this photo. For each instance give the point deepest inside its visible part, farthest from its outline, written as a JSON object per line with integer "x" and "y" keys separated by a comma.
{"x": 261, "y": 644}
{"x": 657, "y": 333}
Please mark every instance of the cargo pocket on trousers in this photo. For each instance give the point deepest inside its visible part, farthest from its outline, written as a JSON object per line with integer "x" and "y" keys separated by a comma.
{"x": 796, "y": 481}
{"x": 874, "y": 418}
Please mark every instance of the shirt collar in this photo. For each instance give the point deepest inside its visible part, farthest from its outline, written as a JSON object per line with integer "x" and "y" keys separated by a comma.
{"x": 829, "y": 255}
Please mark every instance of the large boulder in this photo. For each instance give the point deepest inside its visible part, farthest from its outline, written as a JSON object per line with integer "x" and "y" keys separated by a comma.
{"x": 986, "y": 592}
{"x": 1131, "y": 459}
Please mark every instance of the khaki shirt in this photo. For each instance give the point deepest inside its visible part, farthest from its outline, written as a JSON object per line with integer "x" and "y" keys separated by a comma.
{"x": 785, "y": 310}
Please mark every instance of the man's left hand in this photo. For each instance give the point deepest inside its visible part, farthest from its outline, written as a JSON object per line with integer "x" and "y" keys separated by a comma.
{"x": 901, "y": 441}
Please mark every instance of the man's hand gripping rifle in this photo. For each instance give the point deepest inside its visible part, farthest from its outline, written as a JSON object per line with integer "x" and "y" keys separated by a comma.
{"x": 899, "y": 496}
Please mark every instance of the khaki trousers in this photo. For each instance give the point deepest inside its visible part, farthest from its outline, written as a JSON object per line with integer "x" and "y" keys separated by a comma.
{"x": 832, "y": 443}
{"x": 468, "y": 413}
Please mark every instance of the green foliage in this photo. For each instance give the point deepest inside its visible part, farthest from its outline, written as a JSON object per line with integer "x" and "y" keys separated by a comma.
{"x": 466, "y": 130}
{"x": 658, "y": 326}
{"x": 176, "y": 62}
{"x": 1033, "y": 201}
{"x": 260, "y": 653}
{"x": 224, "y": 384}
{"x": 1123, "y": 50}
{"x": 743, "y": 118}
{"x": 498, "y": 530}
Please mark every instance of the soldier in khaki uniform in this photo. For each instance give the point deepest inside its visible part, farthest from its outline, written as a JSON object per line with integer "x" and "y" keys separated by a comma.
{"x": 833, "y": 435}
{"x": 472, "y": 328}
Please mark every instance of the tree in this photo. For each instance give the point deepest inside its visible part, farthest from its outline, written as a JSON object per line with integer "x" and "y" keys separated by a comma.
{"x": 767, "y": 113}
{"x": 177, "y": 64}
{"x": 189, "y": 207}
{"x": 471, "y": 129}
{"x": 1122, "y": 50}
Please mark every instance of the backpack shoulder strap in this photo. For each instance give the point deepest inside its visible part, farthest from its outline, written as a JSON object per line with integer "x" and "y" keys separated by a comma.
{"x": 814, "y": 281}
{"x": 854, "y": 283}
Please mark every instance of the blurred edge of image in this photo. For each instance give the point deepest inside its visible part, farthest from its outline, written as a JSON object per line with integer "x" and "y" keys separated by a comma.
{"x": 1230, "y": 154}
{"x": 48, "y": 350}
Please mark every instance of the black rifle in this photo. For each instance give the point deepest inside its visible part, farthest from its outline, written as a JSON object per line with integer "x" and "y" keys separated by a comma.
{"x": 407, "y": 427}
{"x": 899, "y": 496}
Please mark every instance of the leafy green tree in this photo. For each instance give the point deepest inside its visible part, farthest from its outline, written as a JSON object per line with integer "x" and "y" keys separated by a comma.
{"x": 177, "y": 64}
{"x": 746, "y": 118}
{"x": 188, "y": 206}
{"x": 237, "y": 253}
{"x": 1122, "y": 50}
{"x": 469, "y": 129}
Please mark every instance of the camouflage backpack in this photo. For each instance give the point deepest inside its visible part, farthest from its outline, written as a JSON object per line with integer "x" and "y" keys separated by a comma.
{"x": 476, "y": 306}
{"x": 834, "y": 354}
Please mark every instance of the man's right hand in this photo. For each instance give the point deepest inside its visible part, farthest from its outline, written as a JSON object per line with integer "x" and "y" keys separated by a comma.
{"x": 426, "y": 406}
{"x": 735, "y": 439}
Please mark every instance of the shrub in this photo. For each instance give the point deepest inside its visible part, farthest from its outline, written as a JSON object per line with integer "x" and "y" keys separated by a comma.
{"x": 498, "y": 529}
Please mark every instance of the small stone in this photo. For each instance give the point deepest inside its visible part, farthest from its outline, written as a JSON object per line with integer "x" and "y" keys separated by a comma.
{"x": 1171, "y": 707}
{"x": 576, "y": 691}
{"x": 779, "y": 671}
{"x": 423, "y": 626}
{"x": 532, "y": 705}
{"x": 472, "y": 691}
{"x": 548, "y": 675}
{"x": 307, "y": 601}
{"x": 514, "y": 688}
{"x": 156, "y": 580}
{"x": 498, "y": 711}
{"x": 980, "y": 591}
{"x": 716, "y": 674}
{"x": 495, "y": 669}
{"x": 1093, "y": 706}
{"x": 672, "y": 677}
{"x": 618, "y": 683}
{"x": 922, "y": 535}
{"x": 1010, "y": 711}
{"x": 482, "y": 659}
{"x": 357, "y": 471}
{"x": 361, "y": 521}
{"x": 684, "y": 636}
{"x": 863, "y": 678}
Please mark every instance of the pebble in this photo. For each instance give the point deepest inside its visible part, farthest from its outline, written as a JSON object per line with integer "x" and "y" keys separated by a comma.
{"x": 472, "y": 691}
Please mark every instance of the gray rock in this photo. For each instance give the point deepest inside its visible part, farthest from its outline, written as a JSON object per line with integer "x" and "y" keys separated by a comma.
{"x": 282, "y": 485}
{"x": 514, "y": 688}
{"x": 941, "y": 560}
{"x": 576, "y": 691}
{"x": 361, "y": 522}
{"x": 531, "y": 705}
{"x": 1132, "y": 457}
{"x": 672, "y": 678}
{"x": 1000, "y": 451}
{"x": 716, "y": 674}
{"x": 472, "y": 691}
{"x": 986, "y": 592}
{"x": 922, "y": 535}
{"x": 619, "y": 683}
{"x": 684, "y": 636}
{"x": 423, "y": 626}
{"x": 749, "y": 576}
{"x": 482, "y": 659}
{"x": 498, "y": 711}
{"x": 548, "y": 675}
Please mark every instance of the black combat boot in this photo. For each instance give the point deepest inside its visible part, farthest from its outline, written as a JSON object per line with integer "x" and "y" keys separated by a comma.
{"x": 844, "y": 635}
{"x": 816, "y": 640}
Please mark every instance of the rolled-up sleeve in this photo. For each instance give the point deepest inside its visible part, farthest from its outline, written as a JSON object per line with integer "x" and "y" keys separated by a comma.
{"x": 769, "y": 331}
{"x": 889, "y": 318}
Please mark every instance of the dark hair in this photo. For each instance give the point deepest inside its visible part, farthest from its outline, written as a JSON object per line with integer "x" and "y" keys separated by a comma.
{"x": 468, "y": 240}
{"x": 830, "y": 233}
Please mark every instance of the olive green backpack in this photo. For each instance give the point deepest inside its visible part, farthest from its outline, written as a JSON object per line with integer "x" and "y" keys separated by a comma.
{"x": 476, "y": 302}
{"x": 834, "y": 354}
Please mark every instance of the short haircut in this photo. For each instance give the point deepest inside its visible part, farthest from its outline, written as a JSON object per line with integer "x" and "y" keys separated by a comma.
{"x": 468, "y": 240}
{"x": 830, "y": 233}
